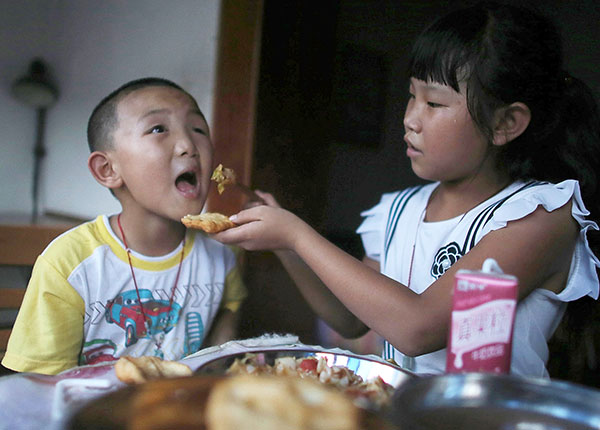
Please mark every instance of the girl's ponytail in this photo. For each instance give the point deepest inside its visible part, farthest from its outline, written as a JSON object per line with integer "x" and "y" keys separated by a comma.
{"x": 580, "y": 148}
{"x": 575, "y": 346}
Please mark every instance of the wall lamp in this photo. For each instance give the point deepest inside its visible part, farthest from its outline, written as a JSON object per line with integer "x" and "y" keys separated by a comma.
{"x": 36, "y": 90}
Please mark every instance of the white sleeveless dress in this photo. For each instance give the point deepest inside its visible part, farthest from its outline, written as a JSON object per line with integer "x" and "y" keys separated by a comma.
{"x": 391, "y": 228}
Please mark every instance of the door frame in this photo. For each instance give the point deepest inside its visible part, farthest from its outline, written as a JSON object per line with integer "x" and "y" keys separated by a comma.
{"x": 234, "y": 102}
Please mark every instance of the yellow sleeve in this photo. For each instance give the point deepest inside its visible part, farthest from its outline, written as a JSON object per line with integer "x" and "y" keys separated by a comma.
{"x": 234, "y": 291}
{"x": 48, "y": 332}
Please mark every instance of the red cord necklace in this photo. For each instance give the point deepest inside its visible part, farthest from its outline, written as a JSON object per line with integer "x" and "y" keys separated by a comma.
{"x": 147, "y": 321}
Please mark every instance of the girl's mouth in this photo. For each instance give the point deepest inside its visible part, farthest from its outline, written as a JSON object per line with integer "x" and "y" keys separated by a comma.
{"x": 411, "y": 151}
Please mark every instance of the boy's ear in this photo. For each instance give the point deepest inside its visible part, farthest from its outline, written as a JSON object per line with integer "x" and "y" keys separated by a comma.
{"x": 510, "y": 122}
{"x": 103, "y": 170}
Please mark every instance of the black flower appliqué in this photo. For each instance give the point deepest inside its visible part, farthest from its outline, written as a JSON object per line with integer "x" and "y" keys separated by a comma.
{"x": 445, "y": 258}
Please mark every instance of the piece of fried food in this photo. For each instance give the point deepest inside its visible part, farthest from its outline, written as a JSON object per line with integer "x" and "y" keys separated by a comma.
{"x": 170, "y": 404}
{"x": 223, "y": 176}
{"x": 137, "y": 370}
{"x": 269, "y": 402}
{"x": 210, "y": 222}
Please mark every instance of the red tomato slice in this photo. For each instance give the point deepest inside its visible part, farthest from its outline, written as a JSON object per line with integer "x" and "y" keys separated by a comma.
{"x": 308, "y": 365}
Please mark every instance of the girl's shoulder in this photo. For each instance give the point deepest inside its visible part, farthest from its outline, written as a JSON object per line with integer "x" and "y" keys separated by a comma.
{"x": 562, "y": 203}
{"x": 523, "y": 198}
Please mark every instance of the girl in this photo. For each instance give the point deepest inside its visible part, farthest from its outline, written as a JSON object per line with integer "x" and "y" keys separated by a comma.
{"x": 509, "y": 142}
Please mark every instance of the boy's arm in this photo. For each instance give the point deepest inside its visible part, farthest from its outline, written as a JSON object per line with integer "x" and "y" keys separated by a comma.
{"x": 48, "y": 332}
{"x": 224, "y": 328}
{"x": 225, "y": 325}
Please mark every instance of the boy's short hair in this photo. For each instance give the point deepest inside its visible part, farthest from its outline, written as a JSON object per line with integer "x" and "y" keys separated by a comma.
{"x": 103, "y": 119}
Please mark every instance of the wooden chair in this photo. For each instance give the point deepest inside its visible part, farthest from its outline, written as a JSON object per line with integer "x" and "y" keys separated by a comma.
{"x": 20, "y": 245}
{"x": 10, "y": 299}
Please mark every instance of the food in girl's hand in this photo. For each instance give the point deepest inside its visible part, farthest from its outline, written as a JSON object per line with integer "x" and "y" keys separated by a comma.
{"x": 210, "y": 222}
{"x": 223, "y": 176}
{"x": 137, "y": 370}
{"x": 268, "y": 402}
{"x": 374, "y": 392}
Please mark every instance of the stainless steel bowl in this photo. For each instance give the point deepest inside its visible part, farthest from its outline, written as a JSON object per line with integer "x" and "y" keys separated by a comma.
{"x": 490, "y": 402}
{"x": 365, "y": 367}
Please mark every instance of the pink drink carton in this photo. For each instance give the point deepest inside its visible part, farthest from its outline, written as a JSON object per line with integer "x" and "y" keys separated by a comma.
{"x": 483, "y": 313}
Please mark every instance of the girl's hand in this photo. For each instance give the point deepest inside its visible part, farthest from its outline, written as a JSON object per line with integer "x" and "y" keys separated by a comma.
{"x": 264, "y": 227}
{"x": 265, "y": 199}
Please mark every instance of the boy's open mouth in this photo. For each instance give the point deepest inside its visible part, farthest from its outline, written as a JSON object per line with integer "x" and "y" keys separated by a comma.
{"x": 186, "y": 182}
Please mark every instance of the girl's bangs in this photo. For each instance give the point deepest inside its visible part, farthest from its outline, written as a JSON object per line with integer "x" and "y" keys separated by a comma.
{"x": 439, "y": 56}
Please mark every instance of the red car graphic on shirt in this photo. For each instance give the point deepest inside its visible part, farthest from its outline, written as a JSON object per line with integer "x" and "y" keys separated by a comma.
{"x": 97, "y": 351}
{"x": 125, "y": 310}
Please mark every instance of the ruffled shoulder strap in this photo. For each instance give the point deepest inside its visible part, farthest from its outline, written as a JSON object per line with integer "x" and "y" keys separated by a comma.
{"x": 583, "y": 278}
{"x": 379, "y": 224}
{"x": 372, "y": 230}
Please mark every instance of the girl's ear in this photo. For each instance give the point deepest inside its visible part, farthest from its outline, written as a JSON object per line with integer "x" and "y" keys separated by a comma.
{"x": 103, "y": 170}
{"x": 511, "y": 121}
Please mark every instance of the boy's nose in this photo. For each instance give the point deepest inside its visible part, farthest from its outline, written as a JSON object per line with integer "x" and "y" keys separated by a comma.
{"x": 185, "y": 146}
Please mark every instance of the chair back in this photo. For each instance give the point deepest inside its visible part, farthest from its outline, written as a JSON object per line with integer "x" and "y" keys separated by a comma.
{"x": 10, "y": 300}
{"x": 20, "y": 245}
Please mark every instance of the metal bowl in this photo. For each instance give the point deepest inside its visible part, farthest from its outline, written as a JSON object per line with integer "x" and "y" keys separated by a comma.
{"x": 486, "y": 401}
{"x": 367, "y": 368}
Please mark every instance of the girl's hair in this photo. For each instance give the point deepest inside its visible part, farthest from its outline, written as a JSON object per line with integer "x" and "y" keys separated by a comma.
{"x": 509, "y": 54}
{"x": 506, "y": 54}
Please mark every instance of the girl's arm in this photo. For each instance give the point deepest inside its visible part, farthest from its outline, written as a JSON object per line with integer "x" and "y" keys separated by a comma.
{"x": 322, "y": 301}
{"x": 320, "y": 298}
{"x": 537, "y": 249}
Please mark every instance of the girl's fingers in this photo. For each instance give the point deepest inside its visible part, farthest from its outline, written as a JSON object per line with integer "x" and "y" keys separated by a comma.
{"x": 268, "y": 198}
{"x": 244, "y": 216}
{"x": 232, "y": 235}
{"x": 253, "y": 204}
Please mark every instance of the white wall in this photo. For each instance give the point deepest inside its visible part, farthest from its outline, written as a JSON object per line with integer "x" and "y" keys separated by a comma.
{"x": 91, "y": 47}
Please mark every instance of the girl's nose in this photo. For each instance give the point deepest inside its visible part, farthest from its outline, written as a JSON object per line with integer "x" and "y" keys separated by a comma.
{"x": 411, "y": 119}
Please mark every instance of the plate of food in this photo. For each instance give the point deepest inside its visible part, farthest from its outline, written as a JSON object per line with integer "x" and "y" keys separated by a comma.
{"x": 241, "y": 402}
{"x": 278, "y": 395}
{"x": 369, "y": 381}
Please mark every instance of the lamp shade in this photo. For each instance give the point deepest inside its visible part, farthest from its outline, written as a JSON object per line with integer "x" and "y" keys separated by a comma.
{"x": 35, "y": 89}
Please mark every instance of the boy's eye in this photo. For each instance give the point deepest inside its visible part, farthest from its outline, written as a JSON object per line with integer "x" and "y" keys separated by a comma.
{"x": 200, "y": 130}
{"x": 157, "y": 129}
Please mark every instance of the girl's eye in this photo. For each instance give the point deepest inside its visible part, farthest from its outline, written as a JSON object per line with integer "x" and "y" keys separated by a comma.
{"x": 199, "y": 130}
{"x": 434, "y": 105}
{"x": 157, "y": 129}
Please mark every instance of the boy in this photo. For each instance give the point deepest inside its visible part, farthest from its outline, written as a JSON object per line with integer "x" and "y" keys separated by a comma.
{"x": 135, "y": 283}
